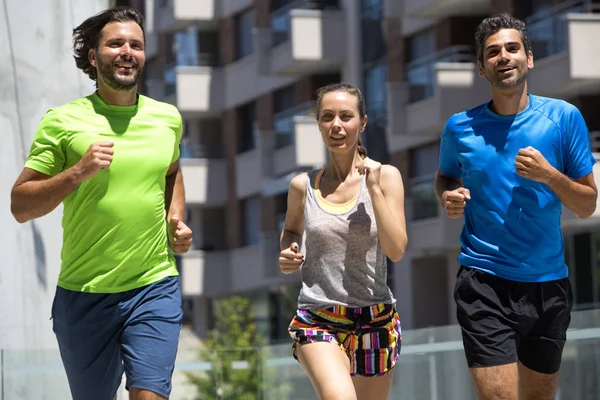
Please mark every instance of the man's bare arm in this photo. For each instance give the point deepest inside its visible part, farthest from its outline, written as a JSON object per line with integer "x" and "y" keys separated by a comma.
{"x": 35, "y": 194}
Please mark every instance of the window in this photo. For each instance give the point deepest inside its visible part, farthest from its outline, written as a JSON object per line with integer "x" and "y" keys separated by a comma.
{"x": 423, "y": 167}
{"x": 376, "y": 94}
{"x": 284, "y": 102}
{"x": 251, "y": 220}
{"x": 247, "y": 129}
{"x": 373, "y": 44}
{"x": 420, "y": 45}
{"x": 244, "y": 25}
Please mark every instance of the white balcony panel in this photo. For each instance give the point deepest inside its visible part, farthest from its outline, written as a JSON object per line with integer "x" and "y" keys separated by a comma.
{"x": 317, "y": 43}
{"x": 397, "y": 136}
{"x": 306, "y": 151}
{"x": 204, "y": 181}
{"x": 255, "y": 267}
{"x": 199, "y": 91}
{"x": 176, "y": 15}
{"x": 248, "y": 173}
{"x": 573, "y": 71}
{"x": 205, "y": 273}
{"x": 458, "y": 87}
{"x": 428, "y": 9}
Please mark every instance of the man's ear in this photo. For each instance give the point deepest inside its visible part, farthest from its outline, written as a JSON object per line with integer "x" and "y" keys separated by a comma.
{"x": 530, "y": 59}
{"x": 92, "y": 57}
{"x": 480, "y": 69}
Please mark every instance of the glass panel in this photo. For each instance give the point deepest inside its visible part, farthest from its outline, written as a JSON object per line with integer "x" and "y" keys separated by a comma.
{"x": 244, "y": 25}
{"x": 421, "y": 72}
{"x": 283, "y": 124}
{"x": 431, "y": 366}
{"x": 424, "y": 200}
{"x": 548, "y": 27}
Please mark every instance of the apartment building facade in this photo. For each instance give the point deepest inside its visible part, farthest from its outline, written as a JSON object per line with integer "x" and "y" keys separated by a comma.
{"x": 243, "y": 73}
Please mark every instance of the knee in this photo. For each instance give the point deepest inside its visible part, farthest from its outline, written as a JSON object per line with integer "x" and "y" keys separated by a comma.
{"x": 338, "y": 394}
{"x": 496, "y": 391}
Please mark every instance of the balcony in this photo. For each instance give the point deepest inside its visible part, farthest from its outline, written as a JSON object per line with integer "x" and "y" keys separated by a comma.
{"x": 306, "y": 41}
{"x": 205, "y": 273}
{"x": 298, "y": 142}
{"x": 215, "y": 273}
{"x": 176, "y": 15}
{"x": 433, "y": 9}
{"x": 439, "y": 86}
{"x": 196, "y": 90}
{"x": 253, "y": 267}
{"x": 203, "y": 178}
{"x": 566, "y": 60}
{"x": 430, "y": 233}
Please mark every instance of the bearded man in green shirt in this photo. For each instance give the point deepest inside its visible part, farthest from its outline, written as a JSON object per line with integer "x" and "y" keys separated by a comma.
{"x": 112, "y": 159}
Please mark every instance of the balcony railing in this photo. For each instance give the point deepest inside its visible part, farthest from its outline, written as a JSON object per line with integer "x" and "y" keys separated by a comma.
{"x": 197, "y": 60}
{"x": 431, "y": 366}
{"x": 281, "y": 21}
{"x": 424, "y": 200}
{"x": 283, "y": 124}
{"x": 421, "y": 72}
{"x": 188, "y": 151}
{"x": 548, "y": 28}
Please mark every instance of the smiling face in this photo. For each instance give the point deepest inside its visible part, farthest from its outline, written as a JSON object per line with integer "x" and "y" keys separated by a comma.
{"x": 120, "y": 58}
{"x": 505, "y": 63}
{"x": 340, "y": 122}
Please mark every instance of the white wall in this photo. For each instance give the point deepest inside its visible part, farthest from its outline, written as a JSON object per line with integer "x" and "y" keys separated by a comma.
{"x": 37, "y": 72}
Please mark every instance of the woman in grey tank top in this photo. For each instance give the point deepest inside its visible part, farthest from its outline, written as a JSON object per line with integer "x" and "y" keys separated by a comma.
{"x": 346, "y": 330}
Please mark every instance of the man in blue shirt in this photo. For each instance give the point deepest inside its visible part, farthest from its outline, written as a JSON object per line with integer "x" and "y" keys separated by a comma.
{"x": 508, "y": 166}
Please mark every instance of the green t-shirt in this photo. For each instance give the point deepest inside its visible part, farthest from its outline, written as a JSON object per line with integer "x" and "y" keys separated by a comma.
{"x": 114, "y": 224}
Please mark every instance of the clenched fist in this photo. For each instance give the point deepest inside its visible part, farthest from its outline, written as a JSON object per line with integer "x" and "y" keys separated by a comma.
{"x": 455, "y": 201}
{"x": 98, "y": 157}
{"x": 180, "y": 235}
{"x": 290, "y": 259}
{"x": 531, "y": 164}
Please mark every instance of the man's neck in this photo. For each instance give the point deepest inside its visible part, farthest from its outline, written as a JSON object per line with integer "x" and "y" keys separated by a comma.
{"x": 116, "y": 97}
{"x": 510, "y": 102}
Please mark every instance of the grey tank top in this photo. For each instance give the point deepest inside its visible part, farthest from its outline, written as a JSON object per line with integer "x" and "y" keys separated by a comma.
{"x": 344, "y": 262}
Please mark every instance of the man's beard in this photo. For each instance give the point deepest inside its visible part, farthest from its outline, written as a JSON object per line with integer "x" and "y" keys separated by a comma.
{"x": 108, "y": 72}
{"x": 511, "y": 82}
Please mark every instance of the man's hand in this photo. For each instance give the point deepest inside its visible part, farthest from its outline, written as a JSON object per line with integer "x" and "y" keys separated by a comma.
{"x": 290, "y": 259}
{"x": 98, "y": 157}
{"x": 531, "y": 164}
{"x": 180, "y": 235}
{"x": 455, "y": 201}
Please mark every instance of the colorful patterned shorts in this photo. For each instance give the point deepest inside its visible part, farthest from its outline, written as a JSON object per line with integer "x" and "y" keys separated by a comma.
{"x": 370, "y": 336}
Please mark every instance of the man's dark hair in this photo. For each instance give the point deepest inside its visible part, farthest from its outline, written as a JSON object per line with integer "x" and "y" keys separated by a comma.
{"x": 87, "y": 35}
{"x": 492, "y": 25}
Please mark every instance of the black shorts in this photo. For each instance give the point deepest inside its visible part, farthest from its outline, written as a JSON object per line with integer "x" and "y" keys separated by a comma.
{"x": 503, "y": 321}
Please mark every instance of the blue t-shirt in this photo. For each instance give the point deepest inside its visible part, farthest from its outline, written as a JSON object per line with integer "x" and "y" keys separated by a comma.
{"x": 512, "y": 224}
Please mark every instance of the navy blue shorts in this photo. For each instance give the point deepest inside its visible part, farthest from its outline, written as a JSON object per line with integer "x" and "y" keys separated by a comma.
{"x": 100, "y": 336}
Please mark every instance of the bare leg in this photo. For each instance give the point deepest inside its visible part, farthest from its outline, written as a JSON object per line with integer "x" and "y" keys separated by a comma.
{"x": 496, "y": 383}
{"x": 139, "y": 394}
{"x": 373, "y": 388}
{"x": 328, "y": 369}
{"x": 535, "y": 385}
